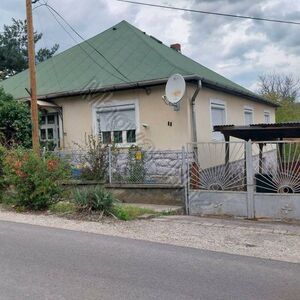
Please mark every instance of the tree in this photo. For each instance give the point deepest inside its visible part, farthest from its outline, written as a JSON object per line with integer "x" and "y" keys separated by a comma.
{"x": 15, "y": 121}
{"x": 279, "y": 87}
{"x": 13, "y": 49}
{"x": 283, "y": 90}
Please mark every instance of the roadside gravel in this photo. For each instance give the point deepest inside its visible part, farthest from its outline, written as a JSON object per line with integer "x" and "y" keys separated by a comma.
{"x": 265, "y": 240}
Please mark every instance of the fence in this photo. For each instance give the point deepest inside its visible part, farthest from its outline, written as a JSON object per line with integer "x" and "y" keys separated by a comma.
{"x": 128, "y": 166}
{"x": 252, "y": 179}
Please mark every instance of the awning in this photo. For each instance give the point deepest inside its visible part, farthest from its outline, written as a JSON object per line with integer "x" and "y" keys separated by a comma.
{"x": 261, "y": 132}
{"x": 41, "y": 103}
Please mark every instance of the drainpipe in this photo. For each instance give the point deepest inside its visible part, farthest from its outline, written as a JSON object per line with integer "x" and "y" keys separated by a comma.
{"x": 194, "y": 125}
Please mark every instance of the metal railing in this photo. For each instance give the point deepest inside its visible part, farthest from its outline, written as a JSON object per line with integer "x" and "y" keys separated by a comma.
{"x": 270, "y": 167}
{"x": 217, "y": 166}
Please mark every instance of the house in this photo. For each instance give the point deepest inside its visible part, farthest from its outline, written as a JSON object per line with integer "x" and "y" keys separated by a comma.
{"x": 114, "y": 82}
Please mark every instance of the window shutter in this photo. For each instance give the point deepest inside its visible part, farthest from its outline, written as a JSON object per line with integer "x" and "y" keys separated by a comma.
{"x": 248, "y": 116}
{"x": 116, "y": 118}
{"x": 218, "y": 117}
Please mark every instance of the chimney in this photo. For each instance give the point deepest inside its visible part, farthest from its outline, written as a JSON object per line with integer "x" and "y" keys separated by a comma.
{"x": 176, "y": 47}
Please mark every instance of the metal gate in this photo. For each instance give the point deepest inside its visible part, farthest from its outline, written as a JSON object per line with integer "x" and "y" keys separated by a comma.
{"x": 246, "y": 179}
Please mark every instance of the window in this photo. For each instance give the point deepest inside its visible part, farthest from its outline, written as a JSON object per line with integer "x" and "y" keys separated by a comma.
{"x": 51, "y": 119}
{"x": 248, "y": 116}
{"x": 43, "y": 134}
{"x": 218, "y": 117}
{"x": 130, "y": 136}
{"x": 267, "y": 118}
{"x": 50, "y": 133}
{"x": 118, "y": 139}
{"x": 117, "y": 124}
{"x": 106, "y": 137}
{"x": 49, "y": 129}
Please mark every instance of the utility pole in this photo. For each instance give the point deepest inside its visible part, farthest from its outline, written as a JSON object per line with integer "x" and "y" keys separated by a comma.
{"x": 32, "y": 76}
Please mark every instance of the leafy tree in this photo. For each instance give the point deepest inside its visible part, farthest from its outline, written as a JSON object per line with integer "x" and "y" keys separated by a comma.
{"x": 15, "y": 121}
{"x": 288, "y": 112}
{"x": 283, "y": 90}
{"x": 13, "y": 49}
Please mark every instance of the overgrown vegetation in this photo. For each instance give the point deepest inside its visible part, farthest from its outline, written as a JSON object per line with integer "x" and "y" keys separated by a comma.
{"x": 283, "y": 90}
{"x": 94, "y": 199}
{"x": 94, "y": 160}
{"x": 15, "y": 122}
{"x": 2, "y": 181}
{"x": 34, "y": 182}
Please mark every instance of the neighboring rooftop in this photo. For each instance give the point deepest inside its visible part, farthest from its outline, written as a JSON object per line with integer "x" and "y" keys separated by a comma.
{"x": 140, "y": 58}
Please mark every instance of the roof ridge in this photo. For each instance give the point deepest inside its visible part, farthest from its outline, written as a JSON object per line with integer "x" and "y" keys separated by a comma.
{"x": 137, "y": 30}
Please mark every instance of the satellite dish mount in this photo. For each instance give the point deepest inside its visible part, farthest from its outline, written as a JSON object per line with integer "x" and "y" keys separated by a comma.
{"x": 175, "y": 90}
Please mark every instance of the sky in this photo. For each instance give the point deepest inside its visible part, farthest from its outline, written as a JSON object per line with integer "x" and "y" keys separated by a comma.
{"x": 241, "y": 50}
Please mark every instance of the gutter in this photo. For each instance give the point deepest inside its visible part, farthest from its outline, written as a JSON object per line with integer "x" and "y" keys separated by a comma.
{"x": 154, "y": 82}
{"x": 193, "y": 119}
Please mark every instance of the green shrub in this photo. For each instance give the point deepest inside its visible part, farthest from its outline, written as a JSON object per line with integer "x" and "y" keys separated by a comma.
{"x": 94, "y": 199}
{"x": 62, "y": 207}
{"x": 35, "y": 180}
{"x": 127, "y": 213}
{"x": 2, "y": 182}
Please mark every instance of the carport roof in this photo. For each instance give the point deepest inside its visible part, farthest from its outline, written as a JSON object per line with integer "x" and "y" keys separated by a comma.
{"x": 261, "y": 132}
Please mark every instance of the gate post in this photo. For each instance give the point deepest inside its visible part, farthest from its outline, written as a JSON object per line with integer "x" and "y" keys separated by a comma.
{"x": 250, "y": 181}
{"x": 109, "y": 165}
{"x": 184, "y": 179}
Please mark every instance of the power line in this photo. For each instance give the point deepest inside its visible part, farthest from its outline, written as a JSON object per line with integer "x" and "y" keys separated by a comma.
{"x": 83, "y": 39}
{"x": 84, "y": 50}
{"x": 54, "y": 11}
{"x": 211, "y": 13}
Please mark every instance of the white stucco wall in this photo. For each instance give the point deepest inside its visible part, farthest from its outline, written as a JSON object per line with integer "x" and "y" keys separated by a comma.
{"x": 79, "y": 121}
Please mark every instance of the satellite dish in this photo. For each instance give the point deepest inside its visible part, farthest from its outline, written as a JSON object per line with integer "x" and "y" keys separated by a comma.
{"x": 175, "y": 88}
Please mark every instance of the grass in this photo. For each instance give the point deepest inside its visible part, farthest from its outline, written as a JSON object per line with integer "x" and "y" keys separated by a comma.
{"x": 129, "y": 213}
{"x": 63, "y": 207}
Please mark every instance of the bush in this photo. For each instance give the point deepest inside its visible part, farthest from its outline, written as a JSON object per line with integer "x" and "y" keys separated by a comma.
{"x": 127, "y": 213}
{"x": 2, "y": 181}
{"x": 94, "y": 199}
{"x": 95, "y": 159}
{"x": 35, "y": 180}
{"x": 15, "y": 121}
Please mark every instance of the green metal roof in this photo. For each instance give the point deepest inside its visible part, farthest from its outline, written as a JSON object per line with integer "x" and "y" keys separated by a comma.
{"x": 138, "y": 56}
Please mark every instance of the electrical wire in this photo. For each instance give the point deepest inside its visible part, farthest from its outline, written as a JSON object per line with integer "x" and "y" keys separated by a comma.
{"x": 86, "y": 41}
{"x": 55, "y": 13}
{"x": 84, "y": 50}
{"x": 210, "y": 12}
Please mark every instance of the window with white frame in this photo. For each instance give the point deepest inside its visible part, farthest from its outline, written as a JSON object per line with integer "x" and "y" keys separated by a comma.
{"x": 267, "y": 117}
{"x": 117, "y": 124}
{"x": 248, "y": 116}
{"x": 218, "y": 117}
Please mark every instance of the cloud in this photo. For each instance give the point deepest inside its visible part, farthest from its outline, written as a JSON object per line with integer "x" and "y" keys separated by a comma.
{"x": 238, "y": 49}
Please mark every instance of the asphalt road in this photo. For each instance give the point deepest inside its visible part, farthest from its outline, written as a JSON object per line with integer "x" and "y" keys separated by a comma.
{"x": 45, "y": 263}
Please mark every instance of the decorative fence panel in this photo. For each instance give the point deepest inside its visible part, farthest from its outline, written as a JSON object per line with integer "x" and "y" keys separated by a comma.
{"x": 279, "y": 170}
{"x": 217, "y": 166}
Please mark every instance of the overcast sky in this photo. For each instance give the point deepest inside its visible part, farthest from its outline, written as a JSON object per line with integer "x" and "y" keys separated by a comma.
{"x": 238, "y": 49}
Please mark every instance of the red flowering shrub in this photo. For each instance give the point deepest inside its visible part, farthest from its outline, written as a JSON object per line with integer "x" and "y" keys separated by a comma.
{"x": 36, "y": 180}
